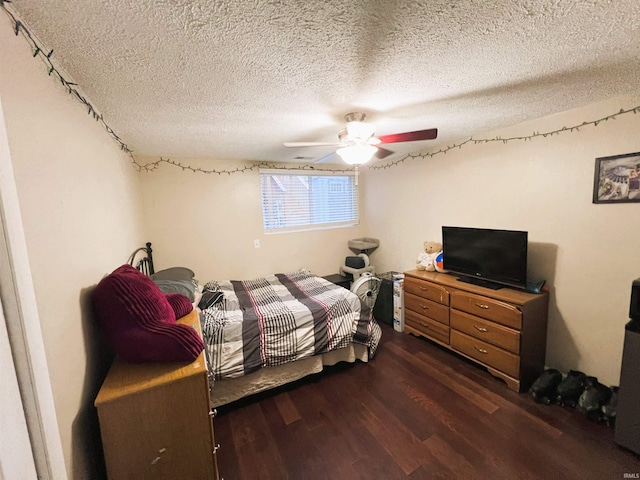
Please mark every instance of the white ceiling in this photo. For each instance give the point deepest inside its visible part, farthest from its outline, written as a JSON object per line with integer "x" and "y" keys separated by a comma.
{"x": 235, "y": 79}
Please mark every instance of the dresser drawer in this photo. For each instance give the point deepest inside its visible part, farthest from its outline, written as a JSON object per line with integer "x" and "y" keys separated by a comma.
{"x": 426, "y": 290}
{"x": 428, "y": 308}
{"x": 489, "y": 308}
{"x": 485, "y": 330}
{"x": 429, "y": 328}
{"x": 486, "y": 353}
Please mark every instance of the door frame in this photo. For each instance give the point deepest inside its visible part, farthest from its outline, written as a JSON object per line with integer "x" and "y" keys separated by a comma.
{"x": 22, "y": 321}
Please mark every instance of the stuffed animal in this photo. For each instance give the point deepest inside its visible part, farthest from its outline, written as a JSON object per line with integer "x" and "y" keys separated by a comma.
{"x": 426, "y": 258}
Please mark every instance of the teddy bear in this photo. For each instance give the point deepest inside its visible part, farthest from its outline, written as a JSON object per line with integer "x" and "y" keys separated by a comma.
{"x": 426, "y": 258}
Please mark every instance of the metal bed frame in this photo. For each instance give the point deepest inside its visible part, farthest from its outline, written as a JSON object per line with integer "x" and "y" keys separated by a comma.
{"x": 144, "y": 263}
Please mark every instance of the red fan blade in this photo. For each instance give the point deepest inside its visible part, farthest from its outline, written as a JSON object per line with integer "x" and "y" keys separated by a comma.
{"x": 382, "y": 152}
{"x": 410, "y": 136}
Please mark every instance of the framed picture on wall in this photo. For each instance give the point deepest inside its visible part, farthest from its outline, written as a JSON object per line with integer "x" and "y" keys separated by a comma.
{"x": 617, "y": 179}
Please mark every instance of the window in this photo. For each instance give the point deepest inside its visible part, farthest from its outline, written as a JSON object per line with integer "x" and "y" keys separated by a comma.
{"x": 294, "y": 201}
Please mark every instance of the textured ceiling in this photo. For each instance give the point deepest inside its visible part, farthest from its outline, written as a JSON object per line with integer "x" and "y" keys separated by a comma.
{"x": 236, "y": 79}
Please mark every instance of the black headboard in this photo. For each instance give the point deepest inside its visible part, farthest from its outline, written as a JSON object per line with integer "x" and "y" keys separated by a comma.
{"x": 142, "y": 259}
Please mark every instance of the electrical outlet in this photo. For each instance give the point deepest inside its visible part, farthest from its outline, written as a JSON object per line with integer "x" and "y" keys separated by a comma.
{"x": 256, "y": 243}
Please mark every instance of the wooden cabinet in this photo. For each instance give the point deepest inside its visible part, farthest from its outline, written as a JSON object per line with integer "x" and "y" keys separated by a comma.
{"x": 505, "y": 330}
{"x": 156, "y": 420}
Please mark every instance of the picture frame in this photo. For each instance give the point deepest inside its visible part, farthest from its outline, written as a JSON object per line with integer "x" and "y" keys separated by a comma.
{"x": 617, "y": 179}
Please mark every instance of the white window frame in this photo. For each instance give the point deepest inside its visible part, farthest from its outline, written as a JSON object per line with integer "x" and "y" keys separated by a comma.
{"x": 301, "y": 174}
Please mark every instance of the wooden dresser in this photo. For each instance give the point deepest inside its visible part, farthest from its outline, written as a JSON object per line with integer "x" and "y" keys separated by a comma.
{"x": 504, "y": 330}
{"x": 156, "y": 420}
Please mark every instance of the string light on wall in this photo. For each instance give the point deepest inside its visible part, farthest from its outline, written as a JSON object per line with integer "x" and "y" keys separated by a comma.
{"x": 72, "y": 89}
{"x": 149, "y": 167}
{"x": 475, "y": 141}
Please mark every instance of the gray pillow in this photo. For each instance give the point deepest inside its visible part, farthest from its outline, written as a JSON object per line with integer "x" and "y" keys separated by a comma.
{"x": 173, "y": 273}
{"x": 185, "y": 287}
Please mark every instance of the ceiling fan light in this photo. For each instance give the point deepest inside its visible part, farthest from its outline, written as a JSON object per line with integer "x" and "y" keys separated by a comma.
{"x": 357, "y": 154}
{"x": 360, "y": 130}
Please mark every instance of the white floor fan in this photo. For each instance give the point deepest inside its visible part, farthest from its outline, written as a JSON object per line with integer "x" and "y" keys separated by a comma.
{"x": 366, "y": 288}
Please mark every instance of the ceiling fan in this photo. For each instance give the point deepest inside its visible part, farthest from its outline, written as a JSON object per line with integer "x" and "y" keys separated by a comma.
{"x": 357, "y": 143}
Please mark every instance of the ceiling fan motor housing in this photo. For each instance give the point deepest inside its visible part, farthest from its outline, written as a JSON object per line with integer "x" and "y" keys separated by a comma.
{"x": 355, "y": 117}
{"x": 359, "y": 132}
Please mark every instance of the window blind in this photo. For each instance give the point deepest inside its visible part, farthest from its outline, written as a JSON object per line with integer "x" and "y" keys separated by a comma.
{"x": 303, "y": 200}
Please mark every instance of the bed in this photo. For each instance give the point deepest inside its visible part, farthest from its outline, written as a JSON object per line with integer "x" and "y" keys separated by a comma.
{"x": 266, "y": 332}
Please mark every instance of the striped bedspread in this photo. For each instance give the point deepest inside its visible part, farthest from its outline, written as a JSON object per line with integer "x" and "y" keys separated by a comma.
{"x": 279, "y": 319}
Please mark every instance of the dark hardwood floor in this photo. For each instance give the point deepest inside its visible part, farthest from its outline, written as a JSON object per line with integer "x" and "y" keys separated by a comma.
{"x": 416, "y": 411}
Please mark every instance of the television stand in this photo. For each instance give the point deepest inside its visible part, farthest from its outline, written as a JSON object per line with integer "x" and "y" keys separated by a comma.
{"x": 481, "y": 283}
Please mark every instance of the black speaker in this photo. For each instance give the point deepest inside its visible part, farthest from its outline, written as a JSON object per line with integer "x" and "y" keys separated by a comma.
{"x": 383, "y": 308}
{"x": 634, "y": 308}
{"x": 627, "y": 425}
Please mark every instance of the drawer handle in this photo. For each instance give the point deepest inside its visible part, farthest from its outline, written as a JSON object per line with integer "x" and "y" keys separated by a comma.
{"x": 424, "y": 289}
{"x": 481, "y": 350}
{"x": 482, "y": 305}
{"x": 480, "y": 329}
{"x": 425, "y": 325}
{"x": 424, "y": 307}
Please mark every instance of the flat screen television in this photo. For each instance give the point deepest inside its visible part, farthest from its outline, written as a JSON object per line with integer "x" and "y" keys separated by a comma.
{"x": 488, "y": 257}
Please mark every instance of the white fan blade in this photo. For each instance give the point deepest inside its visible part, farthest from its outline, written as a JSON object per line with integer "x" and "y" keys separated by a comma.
{"x": 310, "y": 144}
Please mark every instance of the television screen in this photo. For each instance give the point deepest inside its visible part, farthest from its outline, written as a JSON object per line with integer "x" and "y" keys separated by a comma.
{"x": 486, "y": 256}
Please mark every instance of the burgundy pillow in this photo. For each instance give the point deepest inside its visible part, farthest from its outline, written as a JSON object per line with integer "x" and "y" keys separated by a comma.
{"x": 140, "y": 321}
{"x": 180, "y": 304}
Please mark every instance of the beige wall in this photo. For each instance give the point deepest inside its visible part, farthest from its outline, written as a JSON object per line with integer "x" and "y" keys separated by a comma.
{"x": 208, "y": 222}
{"x": 80, "y": 207}
{"x": 588, "y": 253}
